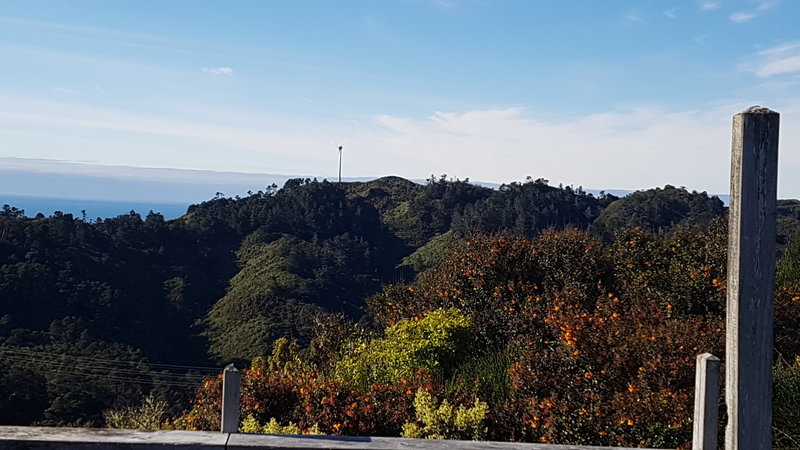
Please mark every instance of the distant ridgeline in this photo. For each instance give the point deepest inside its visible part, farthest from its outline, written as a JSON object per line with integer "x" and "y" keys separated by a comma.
{"x": 90, "y": 209}
{"x": 96, "y": 314}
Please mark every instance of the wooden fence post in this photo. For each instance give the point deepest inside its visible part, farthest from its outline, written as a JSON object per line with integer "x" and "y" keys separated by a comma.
{"x": 231, "y": 388}
{"x": 751, "y": 273}
{"x": 706, "y": 403}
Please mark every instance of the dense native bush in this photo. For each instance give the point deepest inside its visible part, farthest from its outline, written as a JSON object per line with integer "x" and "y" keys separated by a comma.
{"x": 483, "y": 376}
{"x": 311, "y": 403}
{"x": 786, "y": 397}
{"x": 787, "y": 323}
{"x": 682, "y": 272}
{"x": 494, "y": 277}
{"x": 604, "y": 337}
{"x": 618, "y": 375}
{"x": 284, "y": 389}
{"x": 573, "y": 342}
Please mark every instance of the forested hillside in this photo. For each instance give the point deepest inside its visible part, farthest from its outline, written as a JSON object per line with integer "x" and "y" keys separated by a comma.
{"x": 96, "y": 314}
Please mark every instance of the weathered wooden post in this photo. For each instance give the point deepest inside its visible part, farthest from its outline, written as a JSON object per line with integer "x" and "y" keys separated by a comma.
{"x": 231, "y": 388}
{"x": 706, "y": 403}
{"x": 751, "y": 273}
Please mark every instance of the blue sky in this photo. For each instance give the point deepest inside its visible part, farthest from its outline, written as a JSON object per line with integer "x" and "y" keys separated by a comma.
{"x": 605, "y": 94}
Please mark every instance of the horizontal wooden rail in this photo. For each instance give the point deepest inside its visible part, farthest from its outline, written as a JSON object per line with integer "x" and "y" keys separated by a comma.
{"x": 104, "y": 438}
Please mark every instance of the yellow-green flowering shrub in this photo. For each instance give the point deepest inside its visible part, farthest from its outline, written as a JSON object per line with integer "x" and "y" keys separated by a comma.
{"x": 437, "y": 342}
{"x": 251, "y": 425}
{"x": 446, "y": 421}
{"x": 146, "y": 416}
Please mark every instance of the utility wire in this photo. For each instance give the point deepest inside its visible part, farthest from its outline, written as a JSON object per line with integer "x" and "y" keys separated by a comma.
{"x": 112, "y": 369}
{"x": 69, "y": 364}
{"x": 148, "y": 378}
{"x": 36, "y": 353}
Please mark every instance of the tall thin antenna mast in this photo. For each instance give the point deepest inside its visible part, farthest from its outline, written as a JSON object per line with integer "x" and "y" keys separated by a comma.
{"x": 340, "y": 146}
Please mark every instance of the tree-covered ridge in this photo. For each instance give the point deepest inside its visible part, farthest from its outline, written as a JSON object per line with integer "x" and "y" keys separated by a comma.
{"x": 658, "y": 209}
{"x": 530, "y": 207}
{"x": 225, "y": 280}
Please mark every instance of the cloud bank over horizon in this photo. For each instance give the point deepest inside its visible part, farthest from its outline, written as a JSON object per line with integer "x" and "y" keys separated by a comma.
{"x": 637, "y": 148}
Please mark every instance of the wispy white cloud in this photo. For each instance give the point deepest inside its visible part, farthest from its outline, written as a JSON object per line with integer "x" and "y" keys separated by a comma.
{"x": 643, "y": 147}
{"x": 446, "y": 4}
{"x": 782, "y": 59}
{"x": 781, "y": 49}
{"x": 785, "y": 65}
{"x": 741, "y": 16}
{"x": 455, "y": 5}
{"x": 396, "y": 124}
{"x": 121, "y": 137}
{"x": 227, "y": 71}
{"x": 634, "y": 148}
{"x": 670, "y": 13}
{"x": 634, "y": 18}
{"x": 57, "y": 31}
{"x": 65, "y": 90}
{"x": 748, "y": 15}
{"x": 764, "y": 5}
{"x": 707, "y": 5}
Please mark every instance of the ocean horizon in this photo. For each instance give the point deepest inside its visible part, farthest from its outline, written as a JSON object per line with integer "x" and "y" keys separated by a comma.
{"x": 91, "y": 209}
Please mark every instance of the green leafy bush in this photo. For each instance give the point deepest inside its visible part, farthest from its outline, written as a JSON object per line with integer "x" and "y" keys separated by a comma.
{"x": 251, "y": 425}
{"x": 484, "y": 376}
{"x": 147, "y": 416}
{"x": 785, "y": 410}
{"x": 445, "y": 421}
{"x": 437, "y": 342}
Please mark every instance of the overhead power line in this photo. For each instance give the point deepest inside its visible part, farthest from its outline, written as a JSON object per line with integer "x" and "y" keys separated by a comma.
{"x": 153, "y": 366}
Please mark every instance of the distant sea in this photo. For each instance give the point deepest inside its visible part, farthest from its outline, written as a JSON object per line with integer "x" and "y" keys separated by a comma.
{"x": 94, "y": 208}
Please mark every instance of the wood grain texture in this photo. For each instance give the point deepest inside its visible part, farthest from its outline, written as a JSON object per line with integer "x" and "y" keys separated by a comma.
{"x": 706, "y": 403}
{"x": 751, "y": 273}
{"x": 231, "y": 390}
{"x": 12, "y": 437}
{"x": 42, "y": 438}
{"x": 250, "y": 441}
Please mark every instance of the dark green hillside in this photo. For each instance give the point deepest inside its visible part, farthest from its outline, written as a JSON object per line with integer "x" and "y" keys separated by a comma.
{"x": 416, "y": 213}
{"x": 284, "y": 284}
{"x": 658, "y": 210}
{"x": 530, "y": 207}
{"x": 129, "y": 280}
{"x": 225, "y": 280}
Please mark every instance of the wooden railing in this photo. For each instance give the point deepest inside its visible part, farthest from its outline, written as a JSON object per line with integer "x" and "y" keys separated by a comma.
{"x": 96, "y": 438}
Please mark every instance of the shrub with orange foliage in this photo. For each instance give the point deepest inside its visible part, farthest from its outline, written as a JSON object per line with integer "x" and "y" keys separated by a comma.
{"x": 605, "y": 337}
{"x": 496, "y": 277}
{"x": 619, "y": 375}
{"x": 586, "y": 343}
{"x": 336, "y": 408}
{"x": 206, "y": 410}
